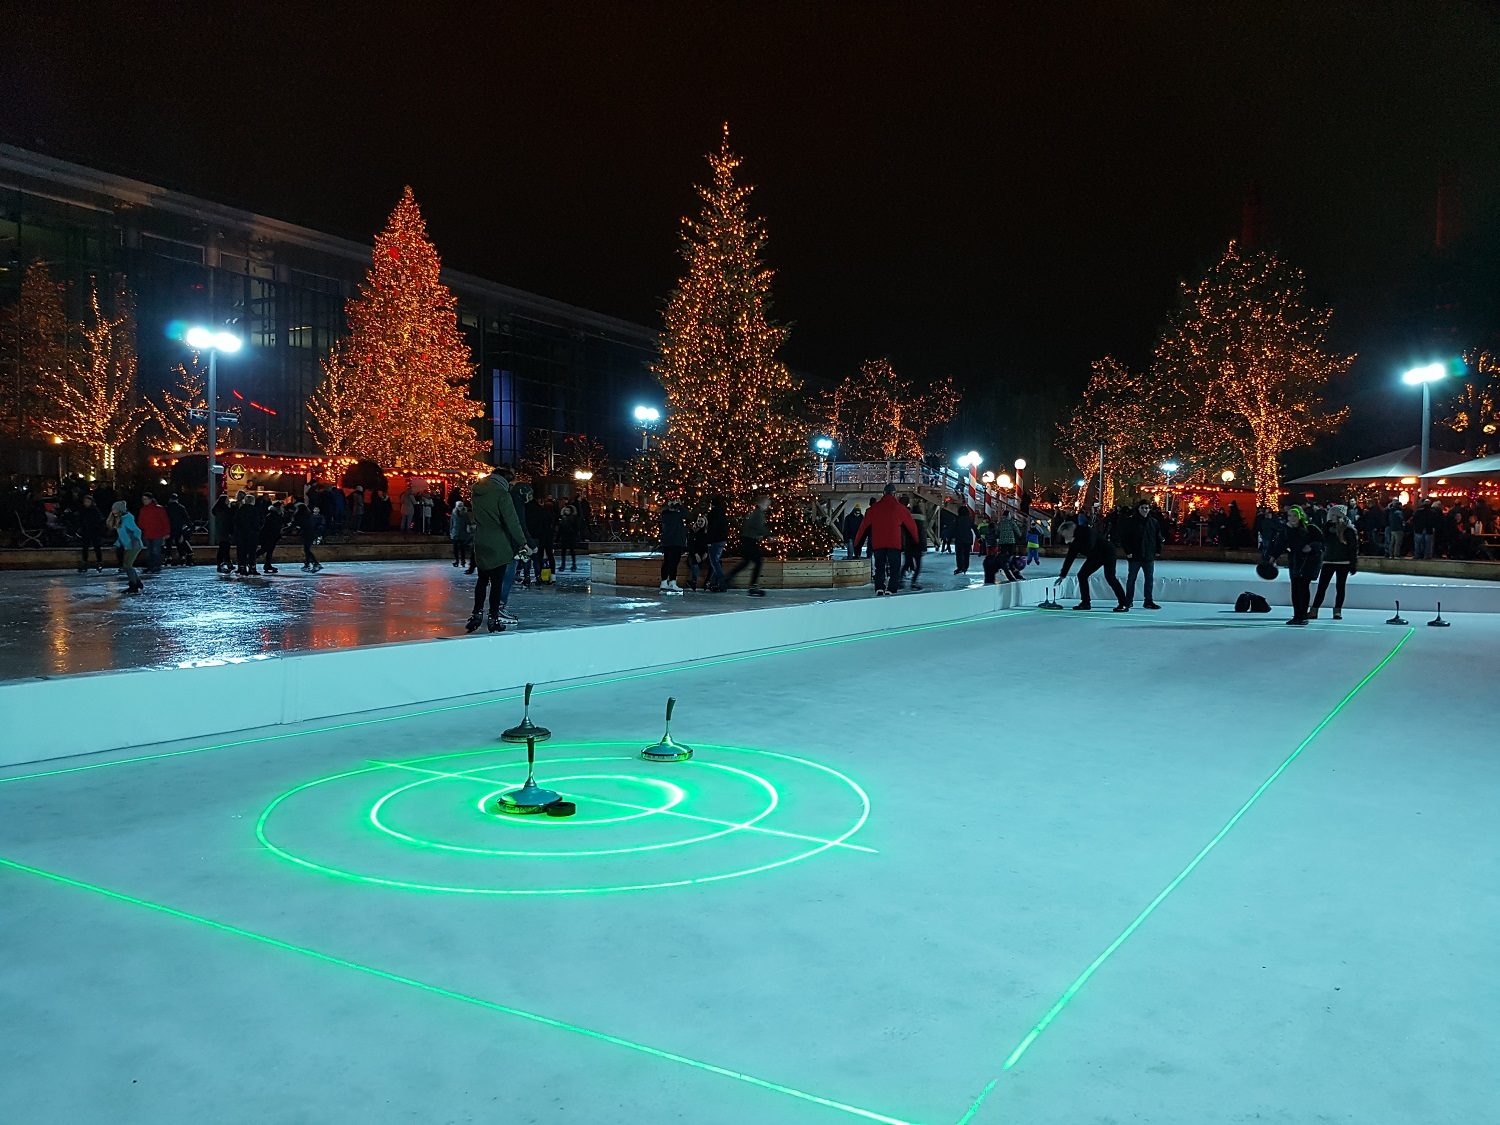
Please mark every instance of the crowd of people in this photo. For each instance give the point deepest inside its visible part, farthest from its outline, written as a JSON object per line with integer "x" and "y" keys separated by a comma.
{"x": 1423, "y": 529}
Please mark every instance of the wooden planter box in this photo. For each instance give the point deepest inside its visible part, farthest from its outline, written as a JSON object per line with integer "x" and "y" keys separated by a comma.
{"x": 639, "y": 569}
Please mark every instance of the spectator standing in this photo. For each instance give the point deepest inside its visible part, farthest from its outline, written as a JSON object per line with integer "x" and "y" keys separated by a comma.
{"x": 1304, "y": 547}
{"x": 1340, "y": 560}
{"x": 179, "y": 541}
{"x": 1142, "y": 539}
{"x": 697, "y": 552}
{"x": 461, "y": 531}
{"x": 567, "y": 535}
{"x": 963, "y": 539}
{"x": 673, "y": 536}
{"x": 850, "y": 529}
{"x": 1395, "y": 530}
{"x": 272, "y": 518}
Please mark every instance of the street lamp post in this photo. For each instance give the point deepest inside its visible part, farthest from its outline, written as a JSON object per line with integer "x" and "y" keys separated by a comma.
{"x": 1170, "y": 468}
{"x": 206, "y": 339}
{"x": 1425, "y": 377}
{"x": 824, "y": 446}
{"x": 647, "y": 417}
{"x": 1020, "y": 468}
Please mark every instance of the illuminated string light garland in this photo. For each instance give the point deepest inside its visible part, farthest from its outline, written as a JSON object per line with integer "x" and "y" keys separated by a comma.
{"x": 34, "y": 339}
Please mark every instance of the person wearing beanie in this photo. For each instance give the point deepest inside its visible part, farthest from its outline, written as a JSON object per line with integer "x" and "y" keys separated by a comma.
{"x": 128, "y": 539}
{"x": 1304, "y": 548}
{"x": 1340, "y": 559}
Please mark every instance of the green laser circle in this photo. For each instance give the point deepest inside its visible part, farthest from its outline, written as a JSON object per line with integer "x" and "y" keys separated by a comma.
{"x": 676, "y": 795}
{"x": 345, "y": 875}
{"x": 775, "y": 799}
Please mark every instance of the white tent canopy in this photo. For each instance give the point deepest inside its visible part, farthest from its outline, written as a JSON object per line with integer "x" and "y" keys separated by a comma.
{"x": 1388, "y": 466}
{"x": 1480, "y": 467}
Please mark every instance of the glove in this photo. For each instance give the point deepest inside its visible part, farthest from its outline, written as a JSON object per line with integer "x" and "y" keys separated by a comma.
{"x": 523, "y": 554}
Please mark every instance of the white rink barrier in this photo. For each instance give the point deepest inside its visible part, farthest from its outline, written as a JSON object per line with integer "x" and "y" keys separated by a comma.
{"x": 1364, "y": 591}
{"x": 58, "y": 717}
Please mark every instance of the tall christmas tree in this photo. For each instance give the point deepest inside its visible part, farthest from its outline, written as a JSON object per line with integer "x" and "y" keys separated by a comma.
{"x": 395, "y": 390}
{"x": 1250, "y": 354}
{"x": 732, "y": 424}
{"x": 34, "y": 336}
{"x": 92, "y": 402}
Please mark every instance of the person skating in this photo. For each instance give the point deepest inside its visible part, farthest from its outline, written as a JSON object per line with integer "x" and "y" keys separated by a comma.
{"x": 1340, "y": 560}
{"x": 461, "y": 531}
{"x": 270, "y": 534}
{"x": 498, "y": 540}
{"x": 673, "y": 537}
{"x": 567, "y": 537}
{"x": 222, "y": 518}
{"x": 754, "y": 529}
{"x": 1093, "y": 546}
{"x": 246, "y": 532}
{"x": 963, "y": 539}
{"x": 129, "y": 540}
{"x": 1304, "y": 548}
{"x": 306, "y": 524}
{"x": 914, "y": 548}
{"x": 92, "y": 533}
{"x": 179, "y": 542}
{"x": 156, "y": 529}
{"x": 884, "y": 524}
{"x": 850, "y": 528}
{"x": 1001, "y": 539}
{"x": 1141, "y": 536}
{"x": 717, "y": 533}
{"x": 697, "y": 552}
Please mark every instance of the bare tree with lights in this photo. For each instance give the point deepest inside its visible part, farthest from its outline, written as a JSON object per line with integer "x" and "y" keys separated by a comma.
{"x": 1475, "y": 408}
{"x": 876, "y": 413}
{"x": 92, "y": 402}
{"x": 1250, "y": 355}
{"x": 173, "y": 429}
{"x": 34, "y": 333}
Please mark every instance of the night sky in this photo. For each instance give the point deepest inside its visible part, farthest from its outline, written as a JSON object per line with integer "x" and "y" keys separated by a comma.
{"x": 1001, "y": 192}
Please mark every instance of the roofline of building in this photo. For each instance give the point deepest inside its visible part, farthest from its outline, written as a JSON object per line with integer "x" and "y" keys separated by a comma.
{"x": 138, "y": 193}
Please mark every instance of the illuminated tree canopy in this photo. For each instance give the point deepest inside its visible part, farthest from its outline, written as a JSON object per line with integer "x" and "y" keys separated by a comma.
{"x": 875, "y": 413}
{"x": 1475, "y": 408}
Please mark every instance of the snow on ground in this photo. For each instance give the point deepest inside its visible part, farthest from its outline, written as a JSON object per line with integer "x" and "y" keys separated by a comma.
{"x": 891, "y": 862}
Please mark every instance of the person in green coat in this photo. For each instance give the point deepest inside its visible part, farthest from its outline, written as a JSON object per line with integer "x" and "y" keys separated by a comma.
{"x": 498, "y": 540}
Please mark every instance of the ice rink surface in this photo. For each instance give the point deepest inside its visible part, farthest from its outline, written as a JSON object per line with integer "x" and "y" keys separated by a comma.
{"x": 1040, "y": 868}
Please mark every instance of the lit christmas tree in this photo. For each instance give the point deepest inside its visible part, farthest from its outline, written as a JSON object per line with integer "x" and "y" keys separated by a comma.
{"x": 92, "y": 402}
{"x": 1250, "y": 355}
{"x": 395, "y": 390}
{"x": 878, "y": 414}
{"x": 34, "y": 335}
{"x": 1475, "y": 409}
{"x": 732, "y": 425}
{"x": 172, "y": 430}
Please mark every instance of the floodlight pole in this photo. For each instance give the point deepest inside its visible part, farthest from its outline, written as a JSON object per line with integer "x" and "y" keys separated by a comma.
{"x": 213, "y": 440}
{"x": 1426, "y": 438}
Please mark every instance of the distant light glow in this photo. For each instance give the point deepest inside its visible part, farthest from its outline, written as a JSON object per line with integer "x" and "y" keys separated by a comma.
{"x": 1020, "y": 463}
{"x": 1170, "y": 466}
{"x": 1227, "y": 476}
{"x": 823, "y": 445}
{"x": 970, "y": 460}
{"x": 647, "y": 414}
{"x": 205, "y": 339}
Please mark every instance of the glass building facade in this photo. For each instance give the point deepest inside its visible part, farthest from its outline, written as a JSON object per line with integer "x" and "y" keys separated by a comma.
{"x": 542, "y": 366}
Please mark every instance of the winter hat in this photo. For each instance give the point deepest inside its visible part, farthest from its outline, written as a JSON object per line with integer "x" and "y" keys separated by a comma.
{"x": 1337, "y": 512}
{"x": 119, "y": 507}
{"x": 890, "y": 490}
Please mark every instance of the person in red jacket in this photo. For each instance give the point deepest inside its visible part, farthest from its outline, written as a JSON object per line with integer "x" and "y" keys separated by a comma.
{"x": 883, "y": 524}
{"x": 156, "y": 529}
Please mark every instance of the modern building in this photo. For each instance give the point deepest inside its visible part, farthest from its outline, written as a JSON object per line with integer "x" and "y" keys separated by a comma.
{"x": 543, "y": 366}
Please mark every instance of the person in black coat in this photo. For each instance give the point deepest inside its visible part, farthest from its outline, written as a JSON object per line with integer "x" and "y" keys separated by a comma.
{"x": 674, "y": 541}
{"x": 717, "y": 533}
{"x": 247, "y": 516}
{"x": 1093, "y": 545}
{"x": 270, "y": 535}
{"x": 963, "y": 539}
{"x": 851, "y": 529}
{"x": 1304, "y": 548}
{"x": 223, "y": 520}
{"x": 92, "y": 533}
{"x": 179, "y": 541}
{"x": 1141, "y": 536}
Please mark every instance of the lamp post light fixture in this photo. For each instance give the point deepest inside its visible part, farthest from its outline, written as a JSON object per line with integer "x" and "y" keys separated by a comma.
{"x": 1003, "y": 480}
{"x": 970, "y": 460}
{"x": 824, "y": 448}
{"x": 988, "y": 478}
{"x": 1424, "y": 377}
{"x": 206, "y": 339}
{"x": 1170, "y": 468}
{"x": 646, "y": 417}
{"x": 1020, "y": 468}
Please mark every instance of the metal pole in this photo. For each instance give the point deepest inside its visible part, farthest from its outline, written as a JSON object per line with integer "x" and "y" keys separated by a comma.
{"x": 213, "y": 440}
{"x": 1101, "y": 478}
{"x": 1426, "y": 437}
